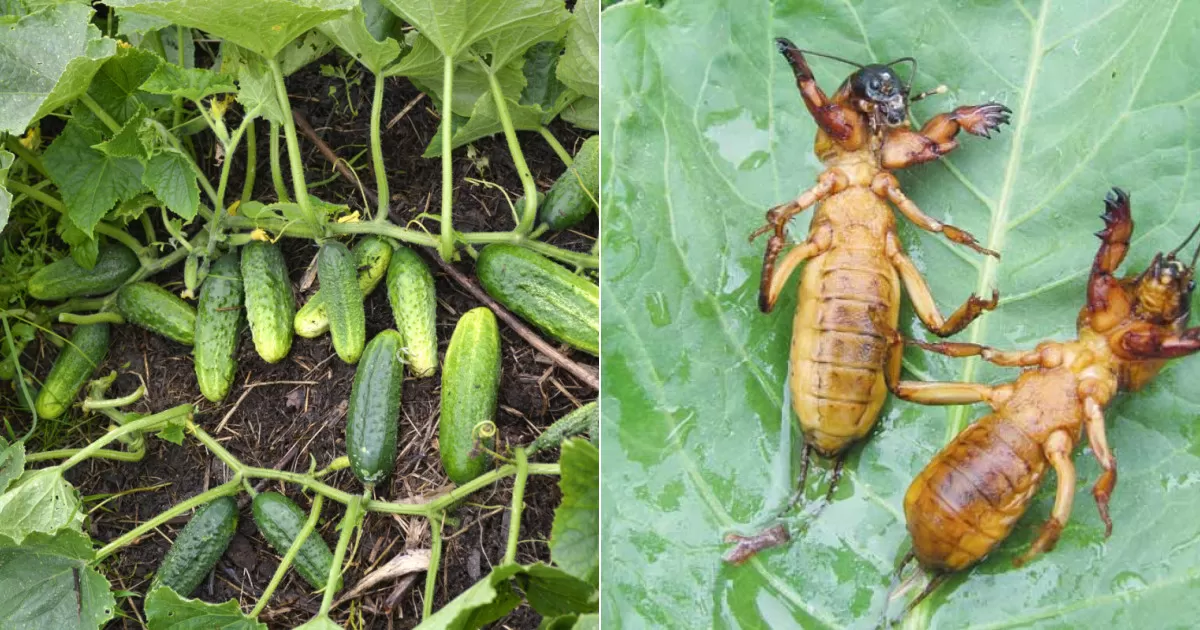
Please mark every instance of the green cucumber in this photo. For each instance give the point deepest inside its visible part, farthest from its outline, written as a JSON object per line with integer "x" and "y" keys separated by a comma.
{"x": 65, "y": 278}
{"x": 543, "y": 293}
{"x": 470, "y": 380}
{"x": 158, "y": 310}
{"x": 270, "y": 304}
{"x": 371, "y": 255}
{"x": 198, "y": 547}
{"x": 280, "y": 521}
{"x": 74, "y": 366}
{"x": 218, "y": 316}
{"x": 191, "y": 275}
{"x": 343, "y": 301}
{"x": 573, "y": 195}
{"x": 414, "y": 305}
{"x": 373, "y": 417}
{"x": 585, "y": 419}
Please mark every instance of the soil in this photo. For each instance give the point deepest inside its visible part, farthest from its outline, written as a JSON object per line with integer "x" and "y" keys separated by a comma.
{"x": 299, "y": 404}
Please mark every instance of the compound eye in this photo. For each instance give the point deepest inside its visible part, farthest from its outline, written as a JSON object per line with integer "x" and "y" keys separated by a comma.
{"x": 874, "y": 84}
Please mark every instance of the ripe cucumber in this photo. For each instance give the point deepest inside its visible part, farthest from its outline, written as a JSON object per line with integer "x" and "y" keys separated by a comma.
{"x": 74, "y": 365}
{"x": 470, "y": 379}
{"x": 414, "y": 305}
{"x": 373, "y": 417}
{"x": 158, "y": 310}
{"x": 567, "y": 201}
{"x": 371, "y": 255}
{"x": 343, "y": 301}
{"x": 543, "y": 293}
{"x": 270, "y": 305}
{"x": 217, "y": 320}
{"x": 65, "y": 278}
{"x": 280, "y": 521}
{"x": 198, "y": 547}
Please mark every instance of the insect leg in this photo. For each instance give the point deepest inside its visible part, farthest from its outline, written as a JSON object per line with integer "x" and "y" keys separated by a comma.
{"x": 799, "y": 493}
{"x": 1107, "y": 301}
{"x": 832, "y": 118}
{"x": 1152, "y": 344}
{"x": 1099, "y": 443}
{"x": 774, "y": 279}
{"x": 922, "y": 299}
{"x": 1058, "y": 450}
{"x": 746, "y": 546}
{"x": 888, "y": 187}
{"x": 1003, "y": 358}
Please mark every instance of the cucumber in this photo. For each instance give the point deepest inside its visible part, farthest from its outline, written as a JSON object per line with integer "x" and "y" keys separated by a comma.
{"x": 372, "y": 419}
{"x": 198, "y": 547}
{"x": 567, "y": 201}
{"x": 65, "y": 278}
{"x": 191, "y": 275}
{"x": 158, "y": 310}
{"x": 585, "y": 419}
{"x": 371, "y": 255}
{"x": 414, "y": 305}
{"x": 74, "y": 365}
{"x": 343, "y": 301}
{"x": 280, "y": 521}
{"x": 543, "y": 293}
{"x": 470, "y": 378}
{"x": 217, "y": 320}
{"x": 270, "y": 304}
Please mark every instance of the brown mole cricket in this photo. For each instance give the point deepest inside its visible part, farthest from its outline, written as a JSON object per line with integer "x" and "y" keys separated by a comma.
{"x": 856, "y": 261}
{"x": 969, "y": 497}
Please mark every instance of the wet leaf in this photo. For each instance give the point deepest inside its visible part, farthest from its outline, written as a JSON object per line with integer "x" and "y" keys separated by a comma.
{"x": 6, "y": 160}
{"x": 45, "y": 582}
{"x": 166, "y": 610}
{"x": 704, "y": 131}
{"x": 12, "y": 459}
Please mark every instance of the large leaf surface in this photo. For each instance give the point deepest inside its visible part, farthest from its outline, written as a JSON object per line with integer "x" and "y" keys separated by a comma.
{"x": 704, "y": 130}
{"x": 46, "y": 582}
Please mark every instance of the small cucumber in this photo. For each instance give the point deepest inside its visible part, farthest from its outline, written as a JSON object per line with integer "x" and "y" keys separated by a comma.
{"x": 372, "y": 419}
{"x": 191, "y": 275}
{"x": 198, "y": 547}
{"x": 270, "y": 304}
{"x": 218, "y": 316}
{"x": 371, "y": 255}
{"x": 158, "y": 310}
{"x": 543, "y": 293}
{"x": 414, "y": 305}
{"x": 585, "y": 419}
{"x": 567, "y": 201}
{"x": 65, "y": 278}
{"x": 470, "y": 379}
{"x": 280, "y": 521}
{"x": 74, "y": 365}
{"x": 343, "y": 301}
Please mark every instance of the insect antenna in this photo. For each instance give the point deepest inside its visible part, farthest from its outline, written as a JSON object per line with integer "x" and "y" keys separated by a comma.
{"x": 911, "y": 76}
{"x": 833, "y": 57}
{"x": 1187, "y": 240}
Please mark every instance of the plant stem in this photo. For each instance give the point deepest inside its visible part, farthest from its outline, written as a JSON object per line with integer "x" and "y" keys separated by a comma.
{"x": 447, "y": 500}
{"x": 289, "y": 131}
{"x": 348, "y": 525}
{"x": 125, "y": 238}
{"x": 554, "y": 144}
{"x": 385, "y": 228}
{"x": 57, "y": 204}
{"x": 435, "y": 559}
{"x": 518, "y": 505}
{"x": 219, "y": 212}
{"x": 95, "y": 108}
{"x": 93, "y": 318}
{"x": 121, "y": 456}
{"x": 33, "y": 193}
{"x": 529, "y": 214}
{"x": 25, "y": 155}
{"x": 114, "y": 403}
{"x": 213, "y": 445}
{"x": 251, "y": 163}
{"x": 290, "y": 557}
{"x": 141, "y": 424}
{"x": 381, "y": 176}
{"x": 586, "y": 261}
{"x": 277, "y": 172}
{"x": 15, "y": 357}
{"x": 228, "y": 488}
{"x": 307, "y": 482}
{"x": 446, "y": 245}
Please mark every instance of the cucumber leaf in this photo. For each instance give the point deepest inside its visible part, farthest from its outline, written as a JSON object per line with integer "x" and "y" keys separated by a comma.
{"x": 12, "y": 459}
{"x": 169, "y": 175}
{"x": 553, "y": 592}
{"x": 583, "y": 113}
{"x": 486, "y": 601}
{"x": 351, "y": 33}
{"x": 167, "y": 610}
{"x": 90, "y": 181}
{"x": 194, "y": 84}
{"x": 45, "y": 582}
{"x": 40, "y": 501}
{"x": 47, "y": 60}
{"x": 575, "y": 535}
{"x": 6, "y": 160}
{"x": 256, "y": 90}
{"x": 115, "y": 86}
{"x": 580, "y": 65}
{"x": 704, "y": 130}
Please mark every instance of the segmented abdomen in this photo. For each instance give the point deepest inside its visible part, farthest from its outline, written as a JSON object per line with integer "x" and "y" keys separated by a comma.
{"x": 838, "y": 353}
{"x": 971, "y": 495}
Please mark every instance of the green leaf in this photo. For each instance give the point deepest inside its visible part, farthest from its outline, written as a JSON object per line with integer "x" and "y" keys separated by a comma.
{"x": 40, "y": 501}
{"x": 553, "y": 592}
{"x": 443, "y": 22}
{"x": 486, "y": 601}
{"x": 12, "y": 459}
{"x": 166, "y": 610}
{"x": 137, "y": 24}
{"x": 90, "y": 181}
{"x": 47, "y": 60}
{"x": 129, "y": 210}
{"x": 583, "y": 113}
{"x": 172, "y": 433}
{"x": 518, "y": 25}
{"x": 170, "y": 177}
{"x": 303, "y": 51}
{"x": 45, "y": 582}
{"x": 485, "y": 121}
{"x": 115, "y": 86}
{"x": 6, "y": 160}
{"x": 256, "y": 89}
{"x": 588, "y": 622}
{"x": 580, "y": 65}
{"x": 85, "y": 248}
{"x": 542, "y": 87}
{"x": 575, "y": 535}
{"x": 128, "y": 141}
{"x": 351, "y": 34}
{"x": 194, "y": 84}
{"x": 264, "y": 26}
{"x": 704, "y": 130}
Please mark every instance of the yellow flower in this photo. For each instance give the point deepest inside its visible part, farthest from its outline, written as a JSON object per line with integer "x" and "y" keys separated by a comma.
{"x": 260, "y": 234}
{"x": 349, "y": 218}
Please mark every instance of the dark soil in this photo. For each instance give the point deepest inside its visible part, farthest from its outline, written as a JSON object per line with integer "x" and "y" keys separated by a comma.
{"x": 298, "y": 405}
